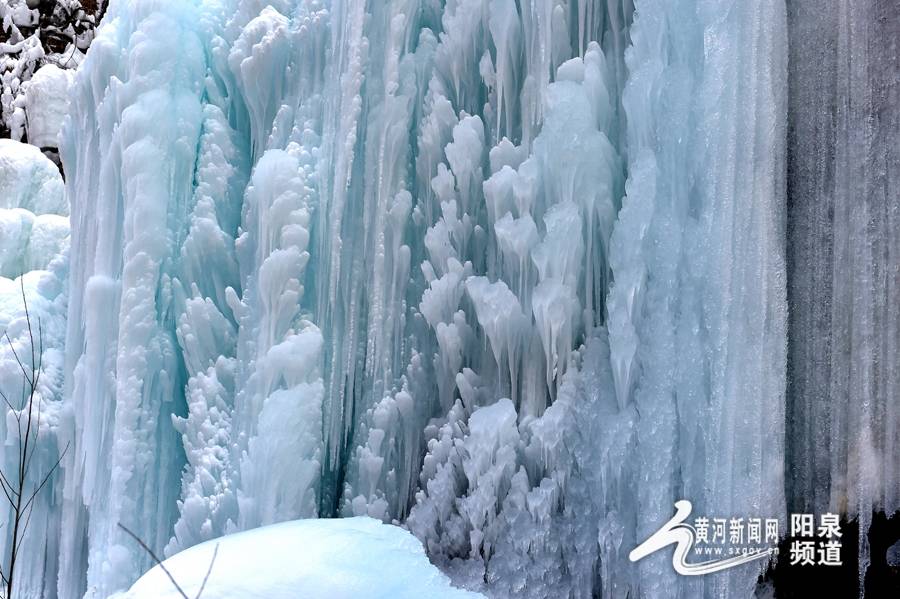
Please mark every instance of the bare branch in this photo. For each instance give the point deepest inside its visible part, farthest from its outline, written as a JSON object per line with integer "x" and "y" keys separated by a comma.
{"x": 27, "y": 446}
{"x": 37, "y": 433}
{"x": 28, "y": 322}
{"x": 2, "y": 573}
{"x": 24, "y": 528}
{"x": 5, "y": 481}
{"x": 155, "y": 559}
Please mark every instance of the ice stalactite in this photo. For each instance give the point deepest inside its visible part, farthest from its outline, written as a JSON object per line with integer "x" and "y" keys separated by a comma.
{"x": 506, "y": 261}
{"x": 207, "y": 335}
{"x": 843, "y": 198}
{"x": 278, "y": 407}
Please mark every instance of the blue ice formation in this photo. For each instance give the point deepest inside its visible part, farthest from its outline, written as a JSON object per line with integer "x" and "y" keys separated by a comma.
{"x": 509, "y": 273}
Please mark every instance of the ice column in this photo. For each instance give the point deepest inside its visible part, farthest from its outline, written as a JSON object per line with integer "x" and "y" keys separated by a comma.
{"x": 697, "y": 313}
{"x": 130, "y": 154}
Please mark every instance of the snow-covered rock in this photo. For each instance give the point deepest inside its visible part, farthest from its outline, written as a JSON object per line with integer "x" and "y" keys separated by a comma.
{"x": 34, "y": 226}
{"x": 46, "y": 103}
{"x": 335, "y": 559}
{"x": 36, "y": 34}
{"x": 30, "y": 180}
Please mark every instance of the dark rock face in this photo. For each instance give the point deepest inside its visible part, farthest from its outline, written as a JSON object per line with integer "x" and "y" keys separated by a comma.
{"x": 843, "y": 195}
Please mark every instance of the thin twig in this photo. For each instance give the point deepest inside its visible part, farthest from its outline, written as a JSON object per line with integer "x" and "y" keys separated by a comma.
{"x": 208, "y": 571}
{"x": 3, "y": 484}
{"x": 28, "y": 322}
{"x": 18, "y": 361}
{"x": 9, "y": 405}
{"x": 46, "y": 478}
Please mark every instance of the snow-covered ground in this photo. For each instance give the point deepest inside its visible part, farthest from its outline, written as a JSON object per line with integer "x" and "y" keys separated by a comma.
{"x": 304, "y": 559}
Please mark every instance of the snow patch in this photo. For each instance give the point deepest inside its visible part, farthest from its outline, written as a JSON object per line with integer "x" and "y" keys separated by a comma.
{"x": 338, "y": 559}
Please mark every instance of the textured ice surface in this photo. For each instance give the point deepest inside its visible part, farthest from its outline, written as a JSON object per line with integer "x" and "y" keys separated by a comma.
{"x": 339, "y": 559}
{"x": 326, "y": 239}
{"x": 29, "y": 242}
{"x": 509, "y": 274}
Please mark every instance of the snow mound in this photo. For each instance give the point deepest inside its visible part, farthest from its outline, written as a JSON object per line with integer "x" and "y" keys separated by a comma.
{"x": 30, "y": 180}
{"x": 350, "y": 557}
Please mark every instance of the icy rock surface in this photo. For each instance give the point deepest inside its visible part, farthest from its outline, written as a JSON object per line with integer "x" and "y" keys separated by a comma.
{"x": 844, "y": 201}
{"x": 509, "y": 274}
{"x": 334, "y": 558}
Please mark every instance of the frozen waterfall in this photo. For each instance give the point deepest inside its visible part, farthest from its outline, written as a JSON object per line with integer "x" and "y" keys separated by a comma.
{"x": 512, "y": 274}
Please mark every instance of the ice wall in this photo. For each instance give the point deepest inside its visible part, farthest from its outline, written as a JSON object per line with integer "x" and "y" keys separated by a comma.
{"x": 843, "y": 201}
{"x": 34, "y": 241}
{"x": 697, "y": 312}
{"x": 508, "y": 273}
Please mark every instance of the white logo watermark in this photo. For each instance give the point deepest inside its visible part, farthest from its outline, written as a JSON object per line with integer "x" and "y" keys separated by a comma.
{"x": 736, "y": 541}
